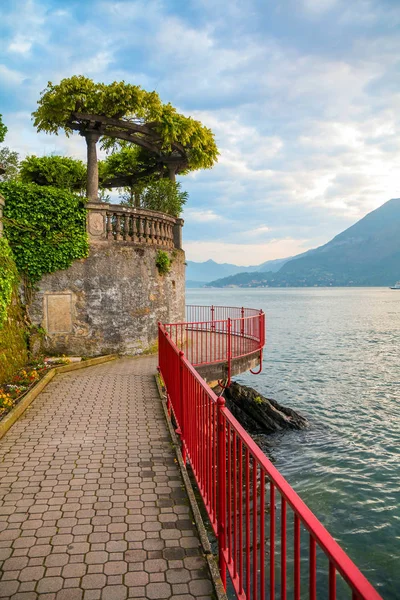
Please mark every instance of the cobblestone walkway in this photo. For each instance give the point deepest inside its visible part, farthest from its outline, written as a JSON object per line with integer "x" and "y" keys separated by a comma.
{"x": 91, "y": 498}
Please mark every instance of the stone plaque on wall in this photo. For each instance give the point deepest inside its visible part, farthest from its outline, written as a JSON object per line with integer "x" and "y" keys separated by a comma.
{"x": 96, "y": 223}
{"x": 58, "y": 313}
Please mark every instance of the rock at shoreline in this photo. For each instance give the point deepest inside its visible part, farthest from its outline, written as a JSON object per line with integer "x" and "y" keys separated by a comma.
{"x": 258, "y": 414}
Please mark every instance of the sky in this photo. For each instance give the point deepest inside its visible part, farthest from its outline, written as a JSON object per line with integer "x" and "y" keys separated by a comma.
{"x": 303, "y": 97}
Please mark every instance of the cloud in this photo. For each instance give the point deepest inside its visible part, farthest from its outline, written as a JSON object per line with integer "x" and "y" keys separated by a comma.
{"x": 244, "y": 254}
{"x": 308, "y": 127}
{"x": 201, "y": 216}
{"x": 319, "y": 6}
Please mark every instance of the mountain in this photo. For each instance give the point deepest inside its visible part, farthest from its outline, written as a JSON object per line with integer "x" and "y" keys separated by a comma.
{"x": 365, "y": 254}
{"x": 204, "y": 272}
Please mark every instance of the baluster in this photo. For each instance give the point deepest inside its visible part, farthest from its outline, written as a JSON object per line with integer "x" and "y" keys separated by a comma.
{"x": 147, "y": 230}
{"x": 135, "y": 230}
{"x": 162, "y": 233}
{"x": 118, "y": 236}
{"x": 132, "y": 228}
{"x": 170, "y": 236}
{"x": 124, "y": 226}
{"x": 141, "y": 231}
{"x": 109, "y": 226}
{"x": 158, "y": 234}
{"x": 128, "y": 220}
{"x": 153, "y": 232}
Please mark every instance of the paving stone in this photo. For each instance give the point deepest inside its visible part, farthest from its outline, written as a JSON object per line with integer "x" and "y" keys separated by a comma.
{"x": 95, "y": 581}
{"x": 157, "y": 591}
{"x": 96, "y": 508}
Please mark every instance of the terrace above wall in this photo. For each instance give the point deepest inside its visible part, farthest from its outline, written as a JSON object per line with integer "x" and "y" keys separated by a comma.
{"x": 115, "y": 223}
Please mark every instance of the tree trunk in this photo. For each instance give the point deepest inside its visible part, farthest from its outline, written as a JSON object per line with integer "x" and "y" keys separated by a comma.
{"x": 137, "y": 199}
{"x": 92, "y": 188}
{"x": 172, "y": 172}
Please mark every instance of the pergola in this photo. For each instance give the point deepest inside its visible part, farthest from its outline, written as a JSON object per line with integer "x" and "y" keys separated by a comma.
{"x": 92, "y": 127}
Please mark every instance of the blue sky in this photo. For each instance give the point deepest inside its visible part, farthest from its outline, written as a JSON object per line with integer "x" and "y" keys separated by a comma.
{"x": 303, "y": 97}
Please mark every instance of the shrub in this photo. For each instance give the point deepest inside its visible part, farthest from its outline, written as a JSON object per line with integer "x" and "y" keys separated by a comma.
{"x": 163, "y": 262}
{"x": 45, "y": 227}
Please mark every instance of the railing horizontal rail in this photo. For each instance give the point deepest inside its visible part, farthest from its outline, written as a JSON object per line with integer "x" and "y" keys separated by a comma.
{"x": 269, "y": 541}
{"x": 219, "y": 334}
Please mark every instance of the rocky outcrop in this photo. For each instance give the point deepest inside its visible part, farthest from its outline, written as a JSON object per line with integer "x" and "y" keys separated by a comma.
{"x": 258, "y": 414}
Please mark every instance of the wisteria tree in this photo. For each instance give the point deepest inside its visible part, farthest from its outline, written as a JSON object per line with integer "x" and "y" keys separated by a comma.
{"x": 119, "y": 114}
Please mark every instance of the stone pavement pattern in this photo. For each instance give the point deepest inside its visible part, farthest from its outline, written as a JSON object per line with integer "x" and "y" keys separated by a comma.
{"x": 92, "y": 504}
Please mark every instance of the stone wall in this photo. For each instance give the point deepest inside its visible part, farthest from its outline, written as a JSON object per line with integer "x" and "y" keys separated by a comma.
{"x": 110, "y": 302}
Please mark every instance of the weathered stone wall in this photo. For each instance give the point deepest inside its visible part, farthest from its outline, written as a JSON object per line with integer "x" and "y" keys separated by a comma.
{"x": 111, "y": 301}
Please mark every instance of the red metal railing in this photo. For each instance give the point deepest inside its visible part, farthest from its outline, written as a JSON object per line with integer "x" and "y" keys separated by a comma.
{"x": 269, "y": 541}
{"x": 214, "y": 334}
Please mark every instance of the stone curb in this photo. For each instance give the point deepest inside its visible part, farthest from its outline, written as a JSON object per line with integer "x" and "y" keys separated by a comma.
{"x": 205, "y": 543}
{"x": 16, "y": 412}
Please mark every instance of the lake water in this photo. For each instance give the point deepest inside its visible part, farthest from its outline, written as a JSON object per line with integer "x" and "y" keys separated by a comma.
{"x": 334, "y": 355}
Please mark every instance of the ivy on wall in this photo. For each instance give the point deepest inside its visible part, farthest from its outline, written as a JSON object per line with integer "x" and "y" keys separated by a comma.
{"x": 8, "y": 279}
{"x": 45, "y": 227}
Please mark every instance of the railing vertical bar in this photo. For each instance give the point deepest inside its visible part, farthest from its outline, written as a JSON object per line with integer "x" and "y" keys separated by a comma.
{"x": 296, "y": 557}
{"x": 332, "y": 581}
{"x": 262, "y": 534}
{"x": 247, "y": 507}
{"x": 229, "y": 496}
{"x": 235, "y": 514}
{"x": 283, "y": 548}
{"x": 255, "y": 532}
{"x": 313, "y": 569}
{"x": 272, "y": 541}
{"x": 240, "y": 487}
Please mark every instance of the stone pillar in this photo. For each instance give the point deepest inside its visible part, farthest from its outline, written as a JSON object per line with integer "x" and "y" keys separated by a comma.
{"x": 1, "y": 214}
{"x": 178, "y": 233}
{"x": 97, "y": 220}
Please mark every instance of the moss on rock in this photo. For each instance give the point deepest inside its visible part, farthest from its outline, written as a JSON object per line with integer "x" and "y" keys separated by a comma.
{"x": 13, "y": 340}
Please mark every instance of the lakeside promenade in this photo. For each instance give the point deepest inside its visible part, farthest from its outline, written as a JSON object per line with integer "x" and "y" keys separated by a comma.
{"x": 92, "y": 503}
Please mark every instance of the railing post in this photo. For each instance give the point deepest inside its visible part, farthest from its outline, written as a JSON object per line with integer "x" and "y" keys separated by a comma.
{"x": 229, "y": 351}
{"x": 182, "y": 407}
{"x": 242, "y": 322}
{"x": 212, "y": 318}
{"x": 221, "y": 487}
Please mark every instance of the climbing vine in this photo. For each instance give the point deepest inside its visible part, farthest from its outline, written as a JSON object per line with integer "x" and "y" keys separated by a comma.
{"x": 163, "y": 262}
{"x": 8, "y": 278}
{"x": 45, "y": 227}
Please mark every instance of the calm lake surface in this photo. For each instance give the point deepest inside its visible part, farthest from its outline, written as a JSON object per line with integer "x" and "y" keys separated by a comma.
{"x": 334, "y": 355}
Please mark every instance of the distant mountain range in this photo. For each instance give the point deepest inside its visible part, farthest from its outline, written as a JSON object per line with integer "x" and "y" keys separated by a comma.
{"x": 199, "y": 274}
{"x": 365, "y": 254}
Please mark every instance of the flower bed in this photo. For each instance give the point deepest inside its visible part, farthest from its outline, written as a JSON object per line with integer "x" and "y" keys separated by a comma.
{"x": 11, "y": 393}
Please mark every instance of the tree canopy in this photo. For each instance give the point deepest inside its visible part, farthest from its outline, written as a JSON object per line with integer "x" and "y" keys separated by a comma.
{"x": 58, "y": 171}
{"x": 3, "y": 130}
{"x": 121, "y": 112}
{"x": 9, "y": 163}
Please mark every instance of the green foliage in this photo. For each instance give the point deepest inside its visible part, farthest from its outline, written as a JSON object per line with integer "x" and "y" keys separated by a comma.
{"x": 45, "y": 226}
{"x": 8, "y": 278}
{"x": 128, "y": 102}
{"x": 165, "y": 196}
{"x": 58, "y": 171}
{"x": 3, "y": 130}
{"x": 163, "y": 262}
{"x": 125, "y": 162}
{"x": 9, "y": 160}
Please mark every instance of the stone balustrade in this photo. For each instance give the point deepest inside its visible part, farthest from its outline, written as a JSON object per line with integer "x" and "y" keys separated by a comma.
{"x": 115, "y": 223}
